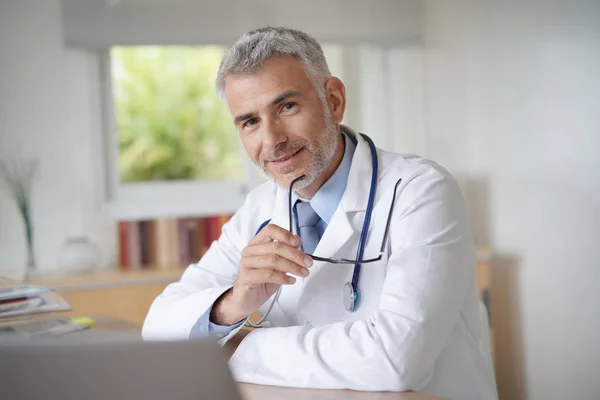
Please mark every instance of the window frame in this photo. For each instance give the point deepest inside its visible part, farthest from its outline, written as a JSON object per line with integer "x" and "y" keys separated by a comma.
{"x": 177, "y": 198}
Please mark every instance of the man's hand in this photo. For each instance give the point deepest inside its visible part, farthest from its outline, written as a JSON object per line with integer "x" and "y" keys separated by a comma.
{"x": 264, "y": 265}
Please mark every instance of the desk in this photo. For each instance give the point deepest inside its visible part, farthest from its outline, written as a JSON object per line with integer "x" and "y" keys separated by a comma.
{"x": 261, "y": 392}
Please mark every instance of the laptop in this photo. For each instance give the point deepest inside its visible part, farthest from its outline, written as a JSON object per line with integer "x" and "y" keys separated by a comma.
{"x": 104, "y": 367}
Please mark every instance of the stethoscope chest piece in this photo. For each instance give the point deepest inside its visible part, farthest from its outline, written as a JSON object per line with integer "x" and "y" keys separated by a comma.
{"x": 349, "y": 296}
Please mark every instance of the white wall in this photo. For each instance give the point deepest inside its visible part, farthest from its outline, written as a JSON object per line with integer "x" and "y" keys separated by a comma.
{"x": 513, "y": 95}
{"x": 47, "y": 111}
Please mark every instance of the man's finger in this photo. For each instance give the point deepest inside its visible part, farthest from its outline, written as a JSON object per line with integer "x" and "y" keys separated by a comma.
{"x": 273, "y": 232}
{"x": 275, "y": 262}
{"x": 281, "y": 248}
{"x": 260, "y": 276}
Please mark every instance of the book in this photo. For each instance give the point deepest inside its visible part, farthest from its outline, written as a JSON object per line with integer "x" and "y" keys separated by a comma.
{"x": 199, "y": 239}
{"x": 144, "y": 240}
{"x": 167, "y": 247}
{"x": 185, "y": 250}
{"x": 135, "y": 245}
{"x": 123, "y": 229}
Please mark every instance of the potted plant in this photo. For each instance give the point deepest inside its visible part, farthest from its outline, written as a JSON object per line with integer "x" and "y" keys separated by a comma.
{"x": 18, "y": 175}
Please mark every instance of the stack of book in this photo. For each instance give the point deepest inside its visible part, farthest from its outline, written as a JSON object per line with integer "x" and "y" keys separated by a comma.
{"x": 166, "y": 242}
{"x": 27, "y": 310}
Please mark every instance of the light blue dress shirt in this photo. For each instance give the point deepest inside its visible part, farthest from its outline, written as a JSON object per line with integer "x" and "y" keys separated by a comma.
{"x": 328, "y": 197}
{"x": 324, "y": 202}
{"x": 203, "y": 328}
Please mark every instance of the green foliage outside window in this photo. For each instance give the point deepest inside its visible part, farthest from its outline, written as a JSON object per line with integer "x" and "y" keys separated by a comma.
{"x": 171, "y": 123}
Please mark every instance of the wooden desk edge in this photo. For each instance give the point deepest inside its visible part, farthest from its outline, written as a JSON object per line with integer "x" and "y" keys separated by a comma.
{"x": 251, "y": 391}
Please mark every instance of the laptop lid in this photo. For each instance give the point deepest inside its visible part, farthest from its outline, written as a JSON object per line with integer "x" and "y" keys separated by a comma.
{"x": 101, "y": 368}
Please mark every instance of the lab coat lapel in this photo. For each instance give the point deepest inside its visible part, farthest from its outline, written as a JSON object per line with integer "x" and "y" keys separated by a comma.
{"x": 280, "y": 213}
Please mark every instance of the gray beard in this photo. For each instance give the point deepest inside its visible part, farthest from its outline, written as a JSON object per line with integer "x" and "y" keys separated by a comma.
{"x": 321, "y": 155}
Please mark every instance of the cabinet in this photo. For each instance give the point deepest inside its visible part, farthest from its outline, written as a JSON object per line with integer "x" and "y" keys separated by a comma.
{"x": 125, "y": 295}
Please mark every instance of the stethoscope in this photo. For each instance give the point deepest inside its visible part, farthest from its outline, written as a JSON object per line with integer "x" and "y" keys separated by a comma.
{"x": 350, "y": 289}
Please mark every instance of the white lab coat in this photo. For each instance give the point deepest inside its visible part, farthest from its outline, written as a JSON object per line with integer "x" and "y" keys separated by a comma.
{"x": 418, "y": 324}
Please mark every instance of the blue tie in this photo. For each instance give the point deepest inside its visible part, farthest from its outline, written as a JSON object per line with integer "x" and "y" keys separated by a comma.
{"x": 307, "y": 223}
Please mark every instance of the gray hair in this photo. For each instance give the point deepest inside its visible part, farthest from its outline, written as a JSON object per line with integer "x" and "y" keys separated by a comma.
{"x": 256, "y": 47}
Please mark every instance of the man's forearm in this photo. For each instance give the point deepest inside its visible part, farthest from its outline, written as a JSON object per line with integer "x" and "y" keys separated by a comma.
{"x": 223, "y": 312}
{"x": 335, "y": 359}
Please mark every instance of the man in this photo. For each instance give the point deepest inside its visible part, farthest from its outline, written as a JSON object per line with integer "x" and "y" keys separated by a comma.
{"x": 416, "y": 323}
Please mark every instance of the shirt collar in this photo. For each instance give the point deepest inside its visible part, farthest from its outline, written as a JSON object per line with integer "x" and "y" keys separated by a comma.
{"x": 328, "y": 197}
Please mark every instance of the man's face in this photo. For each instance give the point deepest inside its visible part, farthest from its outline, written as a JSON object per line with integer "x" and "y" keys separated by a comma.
{"x": 282, "y": 121}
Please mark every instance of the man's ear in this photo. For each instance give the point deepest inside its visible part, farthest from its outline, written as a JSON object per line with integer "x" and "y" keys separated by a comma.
{"x": 335, "y": 95}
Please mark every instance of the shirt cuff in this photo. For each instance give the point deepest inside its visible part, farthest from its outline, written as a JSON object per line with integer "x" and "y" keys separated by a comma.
{"x": 203, "y": 328}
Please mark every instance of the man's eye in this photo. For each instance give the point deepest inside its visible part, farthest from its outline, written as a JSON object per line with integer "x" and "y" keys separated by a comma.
{"x": 289, "y": 106}
{"x": 250, "y": 122}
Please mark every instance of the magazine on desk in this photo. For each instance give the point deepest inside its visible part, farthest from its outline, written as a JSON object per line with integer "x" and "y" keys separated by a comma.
{"x": 26, "y": 300}
{"x": 25, "y": 310}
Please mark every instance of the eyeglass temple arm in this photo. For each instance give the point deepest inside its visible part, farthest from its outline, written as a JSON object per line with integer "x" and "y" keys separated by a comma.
{"x": 345, "y": 260}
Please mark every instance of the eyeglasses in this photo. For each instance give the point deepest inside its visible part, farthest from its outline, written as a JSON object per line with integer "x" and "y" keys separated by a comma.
{"x": 367, "y": 215}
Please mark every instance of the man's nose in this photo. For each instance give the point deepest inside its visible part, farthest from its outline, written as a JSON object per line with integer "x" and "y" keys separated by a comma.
{"x": 273, "y": 133}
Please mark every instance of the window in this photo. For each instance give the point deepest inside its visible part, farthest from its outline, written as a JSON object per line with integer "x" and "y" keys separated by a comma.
{"x": 173, "y": 149}
{"x": 170, "y": 123}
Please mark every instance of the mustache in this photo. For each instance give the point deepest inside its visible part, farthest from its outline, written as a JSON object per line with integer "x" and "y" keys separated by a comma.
{"x": 282, "y": 151}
